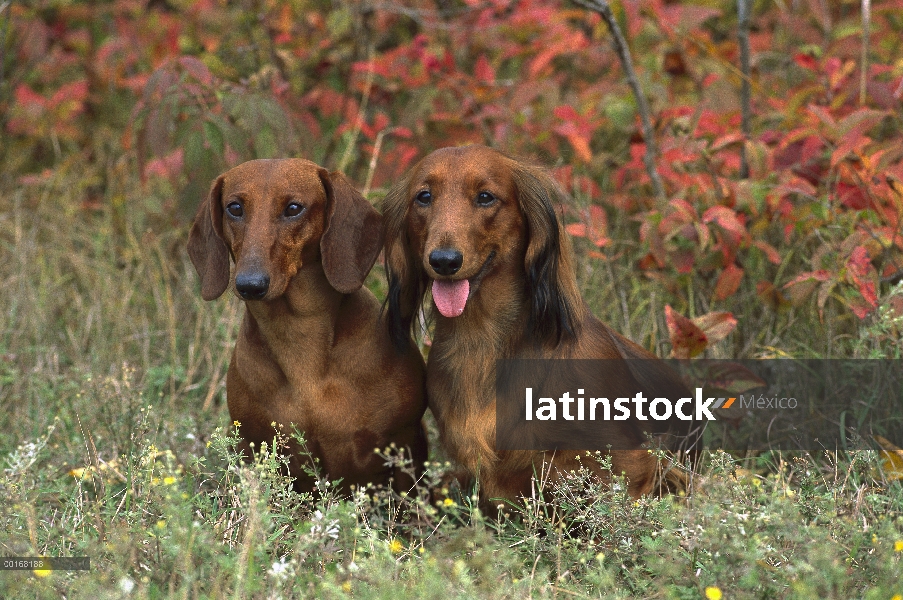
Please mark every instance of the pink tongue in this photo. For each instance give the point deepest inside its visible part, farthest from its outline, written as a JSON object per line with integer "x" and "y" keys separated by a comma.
{"x": 450, "y": 296}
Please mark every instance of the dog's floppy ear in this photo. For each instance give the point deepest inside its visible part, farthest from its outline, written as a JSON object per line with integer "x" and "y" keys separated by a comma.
{"x": 551, "y": 284}
{"x": 353, "y": 236}
{"x": 407, "y": 283}
{"x": 206, "y": 247}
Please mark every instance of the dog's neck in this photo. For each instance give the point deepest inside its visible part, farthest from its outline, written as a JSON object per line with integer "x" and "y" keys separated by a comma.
{"x": 304, "y": 316}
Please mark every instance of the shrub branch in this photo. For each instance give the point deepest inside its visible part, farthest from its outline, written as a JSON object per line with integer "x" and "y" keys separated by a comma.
{"x": 866, "y": 26}
{"x": 745, "y": 102}
{"x": 602, "y": 7}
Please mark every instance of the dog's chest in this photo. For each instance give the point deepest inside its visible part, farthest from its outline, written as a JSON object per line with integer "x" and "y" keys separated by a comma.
{"x": 461, "y": 394}
{"x": 286, "y": 371}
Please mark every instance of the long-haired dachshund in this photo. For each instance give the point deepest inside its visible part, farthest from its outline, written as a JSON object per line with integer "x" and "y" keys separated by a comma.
{"x": 480, "y": 231}
{"x": 313, "y": 350}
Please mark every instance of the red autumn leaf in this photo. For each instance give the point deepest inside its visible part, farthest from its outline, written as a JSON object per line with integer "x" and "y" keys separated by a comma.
{"x": 731, "y": 377}
{"x": 728, "y": 282}
{"x": 483, "y": 71}
{"x": 27, "y": 97}
{"x": 860, "y": 307}
{"x": 823, "y": 115}
{"x": 571, "y": 42}
{"x": 402, "y": 132}
{"x": 682, "y": 210}
{"x": 804, "y": 284}
{"x": 860, "y": 269}
{"x": 75, "y": 92}
{"x": 852, "y": 196}
{"x": 166, "y": 167}
{"x": 716, "y": 325}
{"x": 579, "y": 141}
{"x": 820, "y": 275}
{"x": 566, "y": 112}
{"x": 806, "y": 61}
{"x": 576, "y": 129}
{"x": 577, "y": 229}
{"x": 727, "y": 219}
{"x": 687, "y": 339}
{"x": 380, "y": 121}
{"x": 850, "y": 146}
{"x": 770, "y": 251}
{"x": 725, "y": 141}
{"x": 683, "y": 260}
{"x": 594, "y": 226}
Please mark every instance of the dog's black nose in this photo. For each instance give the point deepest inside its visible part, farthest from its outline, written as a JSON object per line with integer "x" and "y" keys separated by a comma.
{"x": 446, "y": 261}
{"x": 252, "y": 286}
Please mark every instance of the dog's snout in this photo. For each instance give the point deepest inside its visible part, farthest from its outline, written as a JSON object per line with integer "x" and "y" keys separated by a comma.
{"x": 446, "y": 261}
{"x": 252, "y": 286}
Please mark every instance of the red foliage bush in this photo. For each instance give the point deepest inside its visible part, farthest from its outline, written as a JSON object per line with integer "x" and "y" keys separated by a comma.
{"x": 196, "y": 87}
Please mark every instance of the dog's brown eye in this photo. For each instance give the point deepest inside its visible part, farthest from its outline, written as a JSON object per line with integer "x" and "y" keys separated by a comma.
{"x": 423, "y": 198}
{"x": 235, "y": 209}
{"x": 485, "y": 198}
{"x": 293, "y": 209}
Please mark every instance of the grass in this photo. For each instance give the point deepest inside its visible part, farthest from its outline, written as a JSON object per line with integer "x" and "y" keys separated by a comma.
{"x": 115, "y": 443}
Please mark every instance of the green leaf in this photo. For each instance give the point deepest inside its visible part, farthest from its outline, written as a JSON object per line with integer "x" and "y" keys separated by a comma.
{"x": 339, "y": 22}
{"x": 214, "y": 137}
{"x": 265, "y": 145}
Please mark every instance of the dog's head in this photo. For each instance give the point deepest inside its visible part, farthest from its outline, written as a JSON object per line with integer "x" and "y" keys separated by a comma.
{"x": 466, "y": 214}
{"x": 272, "y": 217}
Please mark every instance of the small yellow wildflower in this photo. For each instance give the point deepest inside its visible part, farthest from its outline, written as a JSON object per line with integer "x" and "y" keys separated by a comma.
{"x": 42, "y": 572}
{"x": 346, "y": 587}
{"x": 896, "y": 597}
{"x": 448, "y": 502}
{"x": 169, "y": 480}
{"x": 713, "y": 593}
{"x": 81, "y": 472}
{"x": 459, "y": 568}
{"x": 396, "y": 547}
{"x": 236, "y": 423}
{"x": 898, "y": 546}
{"x": 161, "y": 524}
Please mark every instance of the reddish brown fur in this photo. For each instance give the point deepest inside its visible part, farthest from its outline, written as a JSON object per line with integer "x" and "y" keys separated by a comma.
{"x": 524, "y": 303}
{"x": 314, "y": 351}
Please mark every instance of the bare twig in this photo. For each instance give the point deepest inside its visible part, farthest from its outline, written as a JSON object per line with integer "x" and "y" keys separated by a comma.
{"x": 602, "y": 7}
{"x": 866, "y": 25}
{"x": 745, "y": 102}
{"x": 361, "y": 115}
{"x": 374, "y": 159}
{"x": 7, "y": 23}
